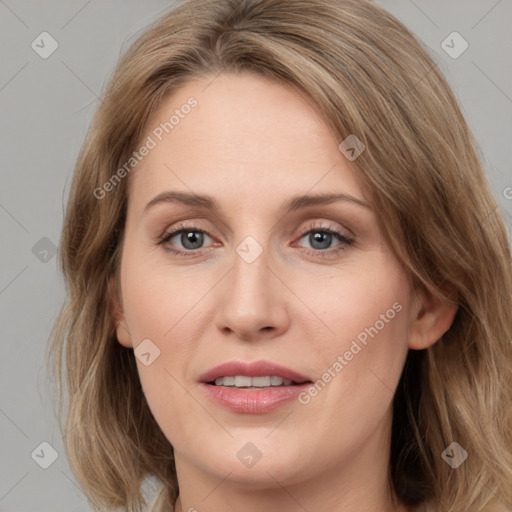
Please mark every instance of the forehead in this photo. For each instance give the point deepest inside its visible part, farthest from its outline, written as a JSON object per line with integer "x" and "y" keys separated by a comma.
{"x": 241, "y": 134}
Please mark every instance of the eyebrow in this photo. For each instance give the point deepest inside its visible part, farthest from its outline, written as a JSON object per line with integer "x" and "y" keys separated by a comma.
{"x": 293, "y": 204}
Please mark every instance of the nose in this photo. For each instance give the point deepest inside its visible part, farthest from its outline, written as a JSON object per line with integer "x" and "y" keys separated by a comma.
{"x": 254, "y": 300}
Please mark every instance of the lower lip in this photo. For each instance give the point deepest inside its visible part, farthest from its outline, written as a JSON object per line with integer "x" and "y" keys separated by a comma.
{"x": 253, "y": 401}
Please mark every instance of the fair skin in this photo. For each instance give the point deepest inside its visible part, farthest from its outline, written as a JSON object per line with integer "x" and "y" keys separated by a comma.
{"x": 252, "y": 144}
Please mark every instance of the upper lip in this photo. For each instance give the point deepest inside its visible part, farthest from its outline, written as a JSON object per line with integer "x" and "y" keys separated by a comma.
{"x": 253, "y": 369}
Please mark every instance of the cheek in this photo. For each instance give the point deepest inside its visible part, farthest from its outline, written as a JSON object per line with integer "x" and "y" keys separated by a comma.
{"x": 163, "y": 304}
{"x": 359, "y": 302}
{"x": 362, "y": 354}
{"x": 359, "y": 367}
{"x": 159, "y": 306}
{"x": 158, "y": 298}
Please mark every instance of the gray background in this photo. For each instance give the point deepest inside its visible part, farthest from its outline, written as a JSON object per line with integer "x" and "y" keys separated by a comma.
{"x": 46, "y": 106}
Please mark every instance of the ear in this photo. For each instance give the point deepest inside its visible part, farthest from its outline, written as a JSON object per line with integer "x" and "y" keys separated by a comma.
{"x": 433, "y": 316}
{"x": 117, "y": 313}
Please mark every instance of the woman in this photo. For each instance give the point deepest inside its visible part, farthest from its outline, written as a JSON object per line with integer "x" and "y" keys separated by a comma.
{"x": 213, "y": 339}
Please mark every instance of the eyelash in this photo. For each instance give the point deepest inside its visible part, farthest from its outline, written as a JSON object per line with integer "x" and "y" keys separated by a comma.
{"x": 344, "y": 239}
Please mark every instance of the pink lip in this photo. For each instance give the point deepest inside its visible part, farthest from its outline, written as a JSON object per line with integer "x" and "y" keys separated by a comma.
{"x": 253, "y": 401}
{"x": 254, "y": 369}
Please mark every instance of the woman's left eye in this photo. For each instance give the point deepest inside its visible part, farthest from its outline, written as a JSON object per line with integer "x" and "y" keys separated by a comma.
{"x": 192, "y": 240}
{"x": 323, "y": 237}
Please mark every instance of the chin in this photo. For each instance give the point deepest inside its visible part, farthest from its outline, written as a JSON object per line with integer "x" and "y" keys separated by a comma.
{"x": 255, "y": 464}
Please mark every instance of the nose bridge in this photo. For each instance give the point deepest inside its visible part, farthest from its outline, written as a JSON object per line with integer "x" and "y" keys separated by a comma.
{"x": 252, "y": 301}
{"x": 250, "y": 276}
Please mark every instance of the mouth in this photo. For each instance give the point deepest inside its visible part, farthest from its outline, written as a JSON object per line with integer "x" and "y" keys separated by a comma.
{"x": 255, "y": 387}
{"x": 253, "y": 375}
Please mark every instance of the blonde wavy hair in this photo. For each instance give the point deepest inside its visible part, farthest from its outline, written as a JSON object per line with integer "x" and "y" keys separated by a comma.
{"x": 370, "y": 77}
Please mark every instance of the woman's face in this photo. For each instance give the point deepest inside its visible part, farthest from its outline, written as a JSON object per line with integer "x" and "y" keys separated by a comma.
{"x": 261, "y": 274}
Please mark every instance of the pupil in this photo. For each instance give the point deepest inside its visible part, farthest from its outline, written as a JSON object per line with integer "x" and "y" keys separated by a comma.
{"x": 193, "y": 237}
{"x": 319, "y": 237}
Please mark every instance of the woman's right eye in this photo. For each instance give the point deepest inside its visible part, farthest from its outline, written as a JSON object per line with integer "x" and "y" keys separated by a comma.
{"x": 190, "y": 238}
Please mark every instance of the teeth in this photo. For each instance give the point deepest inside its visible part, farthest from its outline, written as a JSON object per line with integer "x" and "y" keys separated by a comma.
{"x": 261, "y": 382}
{"x": 243, "y": 381}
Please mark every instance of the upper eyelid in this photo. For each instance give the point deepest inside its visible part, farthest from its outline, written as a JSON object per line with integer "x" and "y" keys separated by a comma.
{"x": 318, "y": 226}
{"x": 190, "y": 225}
